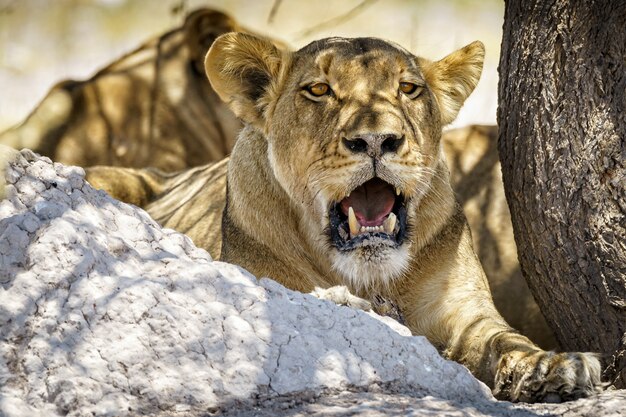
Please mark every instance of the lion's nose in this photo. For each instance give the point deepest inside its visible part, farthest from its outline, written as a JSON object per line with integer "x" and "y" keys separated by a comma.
{"x": 374, "y": 144}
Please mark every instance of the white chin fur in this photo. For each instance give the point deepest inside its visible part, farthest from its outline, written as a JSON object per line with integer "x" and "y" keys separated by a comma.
{"x": 363, "y": 269}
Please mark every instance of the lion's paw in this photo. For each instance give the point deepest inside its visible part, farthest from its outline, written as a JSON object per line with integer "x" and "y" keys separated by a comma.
{"x": 386, "y": 307}
{"x": 340, "y": 295}
{"x": 541, "y": 376}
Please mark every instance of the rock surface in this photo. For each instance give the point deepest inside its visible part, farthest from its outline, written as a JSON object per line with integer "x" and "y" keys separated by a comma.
{"x": 104, "y": 313}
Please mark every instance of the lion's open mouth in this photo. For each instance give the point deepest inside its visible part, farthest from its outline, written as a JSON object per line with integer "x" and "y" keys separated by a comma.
{"x": 373, "y": 213}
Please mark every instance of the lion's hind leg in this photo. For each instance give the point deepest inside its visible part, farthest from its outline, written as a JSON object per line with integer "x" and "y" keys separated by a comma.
{"x": 130, "y": 185}
{"x": 7, "y": 155}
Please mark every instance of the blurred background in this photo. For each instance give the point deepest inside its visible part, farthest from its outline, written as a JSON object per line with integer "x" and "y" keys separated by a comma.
{"x": 45, "y": 41}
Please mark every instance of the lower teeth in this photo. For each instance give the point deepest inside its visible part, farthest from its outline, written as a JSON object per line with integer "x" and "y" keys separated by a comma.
{"x": 355, "y": 229}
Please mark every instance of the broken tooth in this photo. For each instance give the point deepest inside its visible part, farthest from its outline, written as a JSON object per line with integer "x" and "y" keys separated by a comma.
{"x": 355, "y": 227}
{"x": 390, "y": 223}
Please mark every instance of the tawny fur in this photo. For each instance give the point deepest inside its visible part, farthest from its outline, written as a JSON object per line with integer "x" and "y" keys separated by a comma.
{"x": 290, "y": 164}
{"x": 476, "y": 177}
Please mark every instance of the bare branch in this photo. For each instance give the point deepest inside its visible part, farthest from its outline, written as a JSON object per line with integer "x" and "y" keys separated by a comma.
{"x": 335, "y": 21}
{"x": 272, "y": 15}
{"x": 179, "y": 8}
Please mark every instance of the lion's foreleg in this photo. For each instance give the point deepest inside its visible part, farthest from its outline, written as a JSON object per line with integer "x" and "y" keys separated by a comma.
{"x": 450, "y": 302}
{"x": 511, "y": 364}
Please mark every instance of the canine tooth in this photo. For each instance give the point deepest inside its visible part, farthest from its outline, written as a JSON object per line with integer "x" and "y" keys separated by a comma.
{"x": 390, "y": 223}
{"x": 397, "y": 191}
{"x": 353, "y": 223}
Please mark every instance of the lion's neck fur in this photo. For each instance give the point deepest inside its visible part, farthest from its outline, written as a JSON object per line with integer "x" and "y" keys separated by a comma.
{"x": 260, "y": 213}
{"x": 435, "y": 210}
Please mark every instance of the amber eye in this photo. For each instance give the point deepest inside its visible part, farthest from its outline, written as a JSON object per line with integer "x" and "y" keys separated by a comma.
{"x": 408, "y": 88}
{"x": 318, "y": 89}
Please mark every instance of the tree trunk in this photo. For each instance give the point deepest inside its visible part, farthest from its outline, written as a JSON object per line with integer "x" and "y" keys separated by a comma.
{"x": 562, "y": 143}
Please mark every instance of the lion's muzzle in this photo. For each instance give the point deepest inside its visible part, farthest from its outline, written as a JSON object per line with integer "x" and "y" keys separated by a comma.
{"x": 374, "y": 213}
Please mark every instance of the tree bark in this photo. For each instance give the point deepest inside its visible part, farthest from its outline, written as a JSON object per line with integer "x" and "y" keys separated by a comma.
{"x": 562, "y": 143}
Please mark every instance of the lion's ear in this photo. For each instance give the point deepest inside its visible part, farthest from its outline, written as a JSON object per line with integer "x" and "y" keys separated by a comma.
{"x": 241, "y": 68}
{"x": 454, "y": 77}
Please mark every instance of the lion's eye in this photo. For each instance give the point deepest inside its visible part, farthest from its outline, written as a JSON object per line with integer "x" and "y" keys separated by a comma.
{"x": 409, "y": 88}
{"x": 318, "y": 89}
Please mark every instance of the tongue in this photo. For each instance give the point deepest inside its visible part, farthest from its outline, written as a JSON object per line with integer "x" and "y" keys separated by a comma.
{"x": 371, "y": 202}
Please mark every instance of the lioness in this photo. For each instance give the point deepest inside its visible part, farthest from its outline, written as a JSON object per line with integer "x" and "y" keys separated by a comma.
{"x": 155, "y": 108}
{"x": 338, "y": 178}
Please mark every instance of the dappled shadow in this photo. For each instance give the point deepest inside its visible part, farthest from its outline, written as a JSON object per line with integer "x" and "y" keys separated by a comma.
{"x": 97, "y": 284}
{"x": 382, "y": 399}
{"x": 129, "y": 113}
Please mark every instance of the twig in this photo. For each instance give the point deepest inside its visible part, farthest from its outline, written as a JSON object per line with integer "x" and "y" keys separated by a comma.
{"x": 272, "y": 15}
{"x": 179, "y": 8}
{"x": 335, "y": 21}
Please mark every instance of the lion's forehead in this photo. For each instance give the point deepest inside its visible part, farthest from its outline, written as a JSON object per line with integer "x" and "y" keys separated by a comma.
{"x": 363, "y": 63}
{"x": 356, "y": 54}
{"x": 351, "y": 47}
